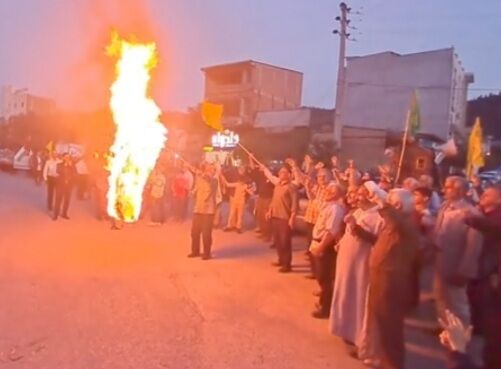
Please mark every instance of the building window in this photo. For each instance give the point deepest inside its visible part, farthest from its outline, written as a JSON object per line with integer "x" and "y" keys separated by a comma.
{"x": 420, "y": 163}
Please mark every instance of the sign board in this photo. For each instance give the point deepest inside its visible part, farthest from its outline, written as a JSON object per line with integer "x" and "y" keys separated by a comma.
{"x": 225, "y": 140}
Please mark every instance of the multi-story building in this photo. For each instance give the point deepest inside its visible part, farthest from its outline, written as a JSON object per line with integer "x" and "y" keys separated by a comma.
{"x": 247, "y": 87}
{"x": 378, "y": 90}
{"x": 20, "y": 102}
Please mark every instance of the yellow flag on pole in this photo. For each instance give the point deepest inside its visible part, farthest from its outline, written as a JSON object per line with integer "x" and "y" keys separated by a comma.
{"x": 212, "y": 115}
{"x": 475, "y": 158}
{"x": 50, "y": 146}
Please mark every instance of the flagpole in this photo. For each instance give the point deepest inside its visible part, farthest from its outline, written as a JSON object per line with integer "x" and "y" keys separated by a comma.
{"x": 404, "y": 145}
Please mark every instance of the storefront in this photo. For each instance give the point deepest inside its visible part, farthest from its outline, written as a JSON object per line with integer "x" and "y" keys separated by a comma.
{"x": 222, "y": 146}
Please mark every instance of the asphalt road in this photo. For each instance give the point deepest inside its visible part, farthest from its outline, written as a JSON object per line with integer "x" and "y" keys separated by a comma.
{"x": 74, "y": 294}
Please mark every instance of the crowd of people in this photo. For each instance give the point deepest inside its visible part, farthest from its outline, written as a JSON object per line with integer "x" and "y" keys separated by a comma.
{"x": 368, "y": 242}
{"x": 367, "y": 239}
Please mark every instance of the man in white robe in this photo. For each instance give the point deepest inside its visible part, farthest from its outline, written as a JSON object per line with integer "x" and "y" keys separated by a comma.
{"x": 352, "y": 271}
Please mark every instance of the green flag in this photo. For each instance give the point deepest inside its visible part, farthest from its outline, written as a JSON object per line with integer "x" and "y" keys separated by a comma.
{"x": 415, "y": 115}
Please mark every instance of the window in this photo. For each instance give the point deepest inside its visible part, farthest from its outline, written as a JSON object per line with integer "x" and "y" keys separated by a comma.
{"x": 420, "y": 163}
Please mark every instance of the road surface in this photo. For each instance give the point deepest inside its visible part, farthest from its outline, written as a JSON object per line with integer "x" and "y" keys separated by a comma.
{"x": 76, "y": 295}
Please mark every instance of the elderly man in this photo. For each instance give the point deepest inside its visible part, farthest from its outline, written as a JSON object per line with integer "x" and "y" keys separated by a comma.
{"x": 410, "y": 184}
{"x": 282, "y": 212}
{"x": 458, "y": 249}
{"x": 327, "y": 231}
{"x": 352, "y": 271}
{"x": 316, "y": 193}
{"x": 391, "y": 266}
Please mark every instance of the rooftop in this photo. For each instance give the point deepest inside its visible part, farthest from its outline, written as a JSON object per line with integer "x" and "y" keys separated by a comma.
{"x": 244, "y": 63}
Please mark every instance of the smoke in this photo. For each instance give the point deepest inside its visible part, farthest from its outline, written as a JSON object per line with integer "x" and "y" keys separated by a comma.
{"x": 86, "y": 83}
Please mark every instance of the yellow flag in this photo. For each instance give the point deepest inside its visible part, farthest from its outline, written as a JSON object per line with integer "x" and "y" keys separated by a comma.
{"x": 475, "y": 158}
{"x": 50, "y": 146}
{"x": 212, "y": 114}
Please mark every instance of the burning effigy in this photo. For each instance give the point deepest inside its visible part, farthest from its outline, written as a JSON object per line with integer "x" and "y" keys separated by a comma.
{"x": 140, "y": 136}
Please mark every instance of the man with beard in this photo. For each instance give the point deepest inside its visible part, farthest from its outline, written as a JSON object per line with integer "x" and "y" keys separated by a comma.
{"x": 351, "y": 284}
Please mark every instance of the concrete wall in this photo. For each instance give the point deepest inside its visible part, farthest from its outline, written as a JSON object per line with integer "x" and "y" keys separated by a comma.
{"x": 379, "y": 89}
{"x": 248, "y": 87}
{"x": 363, "y": 145}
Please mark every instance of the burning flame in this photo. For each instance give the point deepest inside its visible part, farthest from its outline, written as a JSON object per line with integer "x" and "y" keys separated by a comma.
{"x": 139, "y": 136}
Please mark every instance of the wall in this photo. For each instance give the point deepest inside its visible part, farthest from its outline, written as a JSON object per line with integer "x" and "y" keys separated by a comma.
{"x": 363, "y": 145}
{"x": 380, "y": 86}
{"x": 248, "y": 87}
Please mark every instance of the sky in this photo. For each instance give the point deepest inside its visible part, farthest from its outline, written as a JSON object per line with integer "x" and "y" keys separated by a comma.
{"x": 56, "y": 47}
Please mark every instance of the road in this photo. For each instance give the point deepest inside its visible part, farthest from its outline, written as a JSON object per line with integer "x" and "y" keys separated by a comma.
{"x": 76, "y": 295}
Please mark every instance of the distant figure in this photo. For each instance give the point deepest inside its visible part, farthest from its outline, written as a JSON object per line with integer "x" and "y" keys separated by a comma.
{"x": 264, "y": 191}
{"x": 36, "y": 164}
{"x": 64, "y": 185}
{"x": 180, "y": 188}
{"x": 82, "y": 179}
{"x": 157, "y": 192}
{"x": 237, "y": 200}
{"x": 50, "y": 177}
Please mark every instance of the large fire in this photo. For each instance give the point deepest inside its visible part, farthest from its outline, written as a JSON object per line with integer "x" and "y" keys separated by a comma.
{"x": 139, "y": 136}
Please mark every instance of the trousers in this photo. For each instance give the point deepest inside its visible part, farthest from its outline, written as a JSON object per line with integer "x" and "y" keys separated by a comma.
{"x": 282, "y": 238}
{"x": 202, "y": 228}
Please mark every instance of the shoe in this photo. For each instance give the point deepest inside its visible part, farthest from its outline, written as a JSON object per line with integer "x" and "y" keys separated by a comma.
{"x": 272, "y": 246}
{"x": 276, "y": 264}
{"x": 54, "y": 217}
{"x": 65, "y": 217}
{"x": 206, "y": 257}
{"x": 373, "y": 363}
{"x": 227, "y": 229}
{"x": 193, "y": 255}
{"x": 285, "y": 270}
{"x": 310, "y": 276}
{"x": 316, "y": 293}
{"x": 353, "y": 352}
{"x": 319, "y": 314}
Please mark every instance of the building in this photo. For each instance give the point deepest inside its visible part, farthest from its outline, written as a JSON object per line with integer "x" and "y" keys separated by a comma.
{"x": 247, "y": 87}
{"x": 20, "y": 102}
{"x": 378, "y": 90}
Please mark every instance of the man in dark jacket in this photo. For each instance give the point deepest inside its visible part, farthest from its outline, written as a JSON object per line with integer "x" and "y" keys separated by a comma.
{"x": 391, "y": 267}
{"x": 64, "y": 184}
{"x": 485, "y": 290}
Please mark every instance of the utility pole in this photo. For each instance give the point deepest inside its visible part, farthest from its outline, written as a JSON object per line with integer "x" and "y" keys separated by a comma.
{"x": 341, "y": 72}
